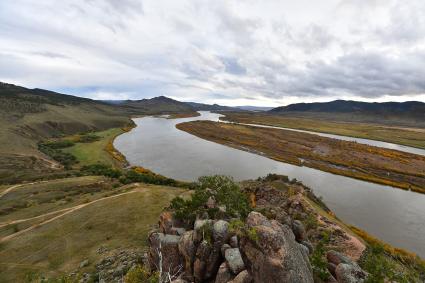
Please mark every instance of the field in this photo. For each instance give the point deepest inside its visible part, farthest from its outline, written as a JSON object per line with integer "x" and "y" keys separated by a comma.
{"x": 97, "y": 151}
{"x": 383, "y": 166}
{"x": 69, "y": 219}
{"x": 414, "y": 137}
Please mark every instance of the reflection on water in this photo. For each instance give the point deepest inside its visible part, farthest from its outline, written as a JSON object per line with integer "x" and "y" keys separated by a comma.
{"x": 393, "y": 215}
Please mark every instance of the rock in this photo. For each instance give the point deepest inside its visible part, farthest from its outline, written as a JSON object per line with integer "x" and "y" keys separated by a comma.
{"x": 213, "y": 261}
{"x": 211, "y": 203}
{"x": 165, "y": 222}
{"x": 234, "y": 259}
{"x": 309, "y": 246}
{"x": 224, "y": 274}
{"x": 337, "y": 258}
{"x": 84, "y": 263}
{"x": 275, "y": 256}
{"x": 299, "y": 230}
{"x": 349, "y": 273}
{"x": 282, "y": 217}
{"x": 168, "y": 245}
{"x": 200, "y": 264}
{"x": 332, "y": 268}
{"x": 242, "y": 277}
{"x": 331, "y": 279}
{"x": 220, "y": 231}
{"x": 179, "y": 280}
{"x": 224, "y": 248}
{"x": 234, "y": 242}
{"x": 177, "y": 231}
{"x": 187, "y": 249}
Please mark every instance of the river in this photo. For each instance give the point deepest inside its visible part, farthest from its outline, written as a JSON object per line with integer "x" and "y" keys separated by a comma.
{"x": 393, "y": 215}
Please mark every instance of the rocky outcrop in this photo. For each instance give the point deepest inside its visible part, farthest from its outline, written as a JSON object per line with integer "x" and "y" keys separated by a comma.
{"x": 275, "y": 256}
{"x": 164, "y": 251}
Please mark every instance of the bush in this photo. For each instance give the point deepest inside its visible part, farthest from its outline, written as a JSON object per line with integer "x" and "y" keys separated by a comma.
{"x": 318, "y": 260}
{"x": 225, "y": 192}
{"x": 87, "y": 138}
{"x": 52, "y": 149}
{"x": 132, "y": 176}
{"x": 101, "y": 170}
{"x": 140, "y": 274}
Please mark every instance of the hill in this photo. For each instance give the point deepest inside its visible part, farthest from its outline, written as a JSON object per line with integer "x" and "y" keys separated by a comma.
{"x": 410, "y": 113}
{"x": 154, "y": 106}
{"x": 210, "y": 107}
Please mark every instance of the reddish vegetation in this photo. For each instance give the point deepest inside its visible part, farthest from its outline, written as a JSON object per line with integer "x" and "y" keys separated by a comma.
{"x": 374, "y": 164}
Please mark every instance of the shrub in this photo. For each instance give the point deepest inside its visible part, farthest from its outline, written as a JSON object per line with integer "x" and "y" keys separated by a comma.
{"x": 225, "y": 192}
{"x": 318, "y": 260}
{"x": 87, "y": 138}
{"x": 131, "y": 176}
{"x": 52, "y": 149}
{"x": 101, "y": 170}
{"x": 140, "y": 274}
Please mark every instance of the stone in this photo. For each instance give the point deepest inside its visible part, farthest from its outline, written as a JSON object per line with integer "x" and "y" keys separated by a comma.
{"x": 187, "y": 249}
{"x": 224, "y": 274}
{"x": 220, "y": 231}
{"x": 349, "y": 273}
{"x": 234, "y": 259}
{"x": 242, "y": 277}
{"x": 332, "y": 268}
{"x": 298, "y": 230}
{"x": 165, "y": 222}
{"x": 309, "y": 246}
{"x": 234, "y": 242}
{"x": 84, "y": 263}
{"x": 211, "y": 203}
{"x": 275, "y": 256}
{"x": 337, "y": 258}
{"x": 224, "y": 248}
{"x": 200, "y": 264}
{"x": 168, "y": 247}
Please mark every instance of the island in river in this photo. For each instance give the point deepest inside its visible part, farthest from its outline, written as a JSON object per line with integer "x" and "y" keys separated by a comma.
{"x": 369, "y": 163}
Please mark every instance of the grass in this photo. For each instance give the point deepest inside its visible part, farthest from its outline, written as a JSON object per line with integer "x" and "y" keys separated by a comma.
{"x": 97, "y": 151}
{"x": 59, "y": 246}
{"x": 364, "y": 162}
{"x": 399, "y": 135}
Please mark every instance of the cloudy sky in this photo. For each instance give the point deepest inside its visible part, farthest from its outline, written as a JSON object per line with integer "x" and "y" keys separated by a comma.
{"x": 233, "y": 52}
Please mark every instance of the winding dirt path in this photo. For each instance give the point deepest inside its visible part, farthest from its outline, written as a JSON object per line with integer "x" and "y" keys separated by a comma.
{"x": 65, "y": 212}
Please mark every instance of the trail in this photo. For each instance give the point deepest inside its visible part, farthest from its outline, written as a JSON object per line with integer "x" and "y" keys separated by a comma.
{"x": 17, "y": 186}
{"x": 67, "y": 211}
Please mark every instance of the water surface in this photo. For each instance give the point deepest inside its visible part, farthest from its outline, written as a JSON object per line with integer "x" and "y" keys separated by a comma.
{"x": 394, "y": 215}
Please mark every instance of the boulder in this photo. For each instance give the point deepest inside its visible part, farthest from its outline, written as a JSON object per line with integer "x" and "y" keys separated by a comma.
{"x": 309, "y": 246}
{"x": 220, "y": 231}
{"x": 299, "y": 230}
{"x": 274, "y": 256}
{"x": 224, "y": 274}
{"x": 187, "y": 249}
{"x": 211, "y": 203}
{"x": 200, "y": 264}
{"x": 242, "y": 277}
{"x": 234, "y": 242}
{"x": 349, "y": 273}
{"x": 337, "y": 258}
{"x": 224, "y": 248}
{"x": 165, "y": 222}
{"x": 165, "y": 247}
{"x": 234, "y": 259}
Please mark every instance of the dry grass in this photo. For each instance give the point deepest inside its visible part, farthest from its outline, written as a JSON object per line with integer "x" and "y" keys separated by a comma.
{"x": 373, "y": 164}
{"x": 59, "y": 246}
{"x": 399, "y": 135}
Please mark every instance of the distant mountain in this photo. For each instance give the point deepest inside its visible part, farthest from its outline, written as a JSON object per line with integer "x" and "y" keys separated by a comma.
{"x": 152, "y": 106}
{"x": 347, "y": 106}
{"x": 410, "y": 113}
{"x": 254, "y": 108}
{"x": 210, "y": 107}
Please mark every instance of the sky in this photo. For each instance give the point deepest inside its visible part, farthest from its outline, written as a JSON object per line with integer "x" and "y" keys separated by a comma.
{"x": 230, "y": 52}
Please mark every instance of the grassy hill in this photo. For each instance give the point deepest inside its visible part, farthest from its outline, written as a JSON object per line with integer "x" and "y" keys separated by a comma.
{"x": 28, "y": 116}
{"x": 411, "y": 113}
